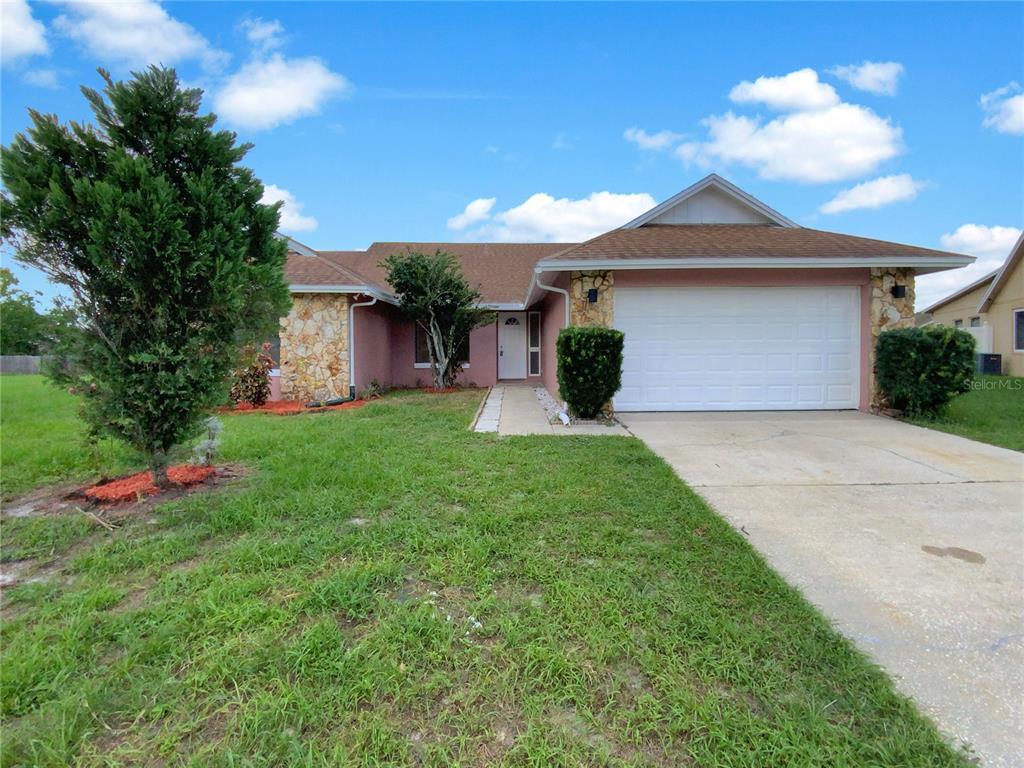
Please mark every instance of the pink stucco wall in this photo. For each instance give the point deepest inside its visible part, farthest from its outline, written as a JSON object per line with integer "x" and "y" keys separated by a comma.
{"x": 373, "y": 344}
{"x": 767, "y": 278}
{"x": 483, "y": 361}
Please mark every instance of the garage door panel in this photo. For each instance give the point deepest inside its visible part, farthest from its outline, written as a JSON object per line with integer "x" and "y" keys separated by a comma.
{"x": 738, "y": 348}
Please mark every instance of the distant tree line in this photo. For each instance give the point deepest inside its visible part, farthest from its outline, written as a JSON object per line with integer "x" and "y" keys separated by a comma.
{"x": 24, "y": 330}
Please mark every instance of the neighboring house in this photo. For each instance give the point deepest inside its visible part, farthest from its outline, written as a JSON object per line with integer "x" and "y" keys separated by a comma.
{"x": 992, "y": 310}
{"x": 725, "y": 304}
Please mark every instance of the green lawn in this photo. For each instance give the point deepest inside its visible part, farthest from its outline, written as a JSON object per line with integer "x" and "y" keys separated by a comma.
{"x": 42, "y": 441}
{"x": 389, "y": 588}
{"x": 992, "y": 412}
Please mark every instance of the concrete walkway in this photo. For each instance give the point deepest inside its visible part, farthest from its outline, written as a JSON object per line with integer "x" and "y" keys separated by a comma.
{"x": 911, "y": 540}
{"x": 516, "y": 409}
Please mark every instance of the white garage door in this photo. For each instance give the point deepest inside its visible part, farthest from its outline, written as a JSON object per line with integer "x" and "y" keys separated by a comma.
{"x": 738, "y": 349}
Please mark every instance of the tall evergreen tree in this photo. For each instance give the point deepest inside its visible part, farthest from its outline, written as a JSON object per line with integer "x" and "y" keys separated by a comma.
{"x": 151, "y": 221}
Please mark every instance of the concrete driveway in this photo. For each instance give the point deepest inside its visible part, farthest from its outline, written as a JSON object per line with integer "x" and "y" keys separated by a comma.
{"x": 911, "y": 540}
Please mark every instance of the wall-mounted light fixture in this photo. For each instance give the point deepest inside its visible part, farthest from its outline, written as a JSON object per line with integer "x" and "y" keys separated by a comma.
{"x": 592, "y": 296}
{"x": 899, "y": 291}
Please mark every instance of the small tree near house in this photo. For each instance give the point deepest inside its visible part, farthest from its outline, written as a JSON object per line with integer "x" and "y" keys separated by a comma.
{"x": 158, "y": 231}
{"x": 435, "y": 295}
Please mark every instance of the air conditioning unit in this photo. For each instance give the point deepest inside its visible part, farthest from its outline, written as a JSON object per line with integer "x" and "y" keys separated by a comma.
{"x": 988, "y": 364}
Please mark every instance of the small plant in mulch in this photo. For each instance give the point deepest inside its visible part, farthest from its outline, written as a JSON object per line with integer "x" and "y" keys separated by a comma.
{"x": 374, "y": 390}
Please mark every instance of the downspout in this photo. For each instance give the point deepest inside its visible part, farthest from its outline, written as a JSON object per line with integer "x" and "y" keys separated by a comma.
{"x": 562, "y": 415}
{"x": 352, "y": 343}
{"x": 351, "y": 359}
{"x": 555, "y": 289}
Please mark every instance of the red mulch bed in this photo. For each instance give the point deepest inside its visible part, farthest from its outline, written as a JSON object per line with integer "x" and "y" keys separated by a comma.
{"x": 290, "y": 407}
{"x": 141, "y": 484}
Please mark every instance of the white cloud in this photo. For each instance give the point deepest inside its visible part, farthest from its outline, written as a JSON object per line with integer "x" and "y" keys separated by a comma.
{"x": 1004, "y": 109}
{"x": 991, "y": 246}
{"x": 42, "y": 78}
{"x": 543, "y": 218}
{"x": 134, "y": 34}
{"x": 817, "y": 139}
{"x": 292, "y": 218}
{"x": 841, "y": 142}
{"x": 477, "y": 211}
{"x": 879, "y": 77}
{"x": 268, "y": 92}
{"x": 874, "y": 194}
{"x": 20, "y": 34}
{"x": 265, "y": 35}
{"x": 800, "y": 90}
{"x": 981, "y": 241}
{"x": 653, "y": 141}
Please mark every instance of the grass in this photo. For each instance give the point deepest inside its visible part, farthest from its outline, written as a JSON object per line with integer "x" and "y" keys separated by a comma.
{"x": 389, "y": 588}
{"x": 42, "y": 439}
{"x": 992, "y": 411}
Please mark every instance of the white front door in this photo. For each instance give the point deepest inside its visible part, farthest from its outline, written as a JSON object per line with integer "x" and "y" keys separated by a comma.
{"x": 512, "y": 345}
{"x": 739, "y": 349}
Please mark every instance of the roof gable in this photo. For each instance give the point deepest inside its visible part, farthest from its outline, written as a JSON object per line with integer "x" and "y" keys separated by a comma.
{"x": 1003, "y": 275}
{"x": 712, "y": 200}
{"x": 980, "y": 283}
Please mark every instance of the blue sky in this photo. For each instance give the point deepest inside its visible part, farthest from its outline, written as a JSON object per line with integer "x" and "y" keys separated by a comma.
{"x": 554, "y": 122}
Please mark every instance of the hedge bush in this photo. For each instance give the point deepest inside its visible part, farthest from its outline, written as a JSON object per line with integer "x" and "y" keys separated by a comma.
{"x": 589, "y": 367}
{"x": 919, "y": 370}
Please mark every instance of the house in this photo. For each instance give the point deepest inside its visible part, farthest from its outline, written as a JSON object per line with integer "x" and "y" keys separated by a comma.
{"x": 726, "y": 304}
{"x": 992, "y": 310}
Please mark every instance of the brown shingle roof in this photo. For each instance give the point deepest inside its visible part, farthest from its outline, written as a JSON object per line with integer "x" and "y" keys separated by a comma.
{"x": 500, "y": 271}
{"x": 682, "y": 241}
{"x": 320, "y": 270}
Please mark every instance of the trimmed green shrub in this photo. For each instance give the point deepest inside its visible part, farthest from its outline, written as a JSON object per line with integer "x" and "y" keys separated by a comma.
{"x": 589, "y": 367}
{"x": 919, "y": 370}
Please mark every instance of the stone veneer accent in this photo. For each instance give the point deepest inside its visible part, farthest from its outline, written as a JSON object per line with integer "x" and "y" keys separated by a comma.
{"x": 581, "y": 311}
{"x": 314, "y": 347}
{"x": 888, "y": 312}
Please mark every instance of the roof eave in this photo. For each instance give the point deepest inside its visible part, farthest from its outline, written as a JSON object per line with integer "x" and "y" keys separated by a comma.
{"x": 364, "y": 290}
{"x": 1001, "y": 275}
{"x": 921, "y": 263}
{"x": 979, "y": 283}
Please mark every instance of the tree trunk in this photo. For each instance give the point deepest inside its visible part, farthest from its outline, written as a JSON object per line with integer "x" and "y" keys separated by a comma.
{"x": 158, "y": 463}
{"x": 439, "y": 356}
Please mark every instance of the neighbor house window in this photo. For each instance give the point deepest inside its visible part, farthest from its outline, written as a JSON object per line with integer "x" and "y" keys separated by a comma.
{"x": 1018, "y": 330}
{"x": 423, "y": 355}
{"x": 975, "y": 322}
{"x": 534, "y": 338}
{"x": 958, "y": 323}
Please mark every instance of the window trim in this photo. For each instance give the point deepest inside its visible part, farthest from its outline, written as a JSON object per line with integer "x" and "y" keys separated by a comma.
{"x": 976, "y": 319}
{"x": 416, "y": 330}
{"x": 530, "y": 316}
{"x": 1013, "y": 330}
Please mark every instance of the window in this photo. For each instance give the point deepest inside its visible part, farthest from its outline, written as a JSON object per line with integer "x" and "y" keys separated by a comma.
{"x": 1018, "y": 330}
{"x": 423, "y": 355}
{"x": 975, "y": 322}
{"x": 958, "y": 323}
{"x": 533, "y": 322}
